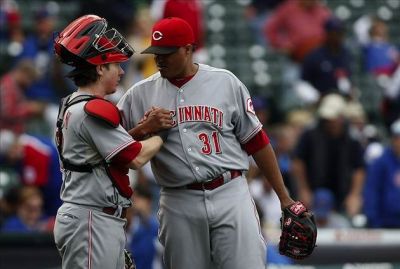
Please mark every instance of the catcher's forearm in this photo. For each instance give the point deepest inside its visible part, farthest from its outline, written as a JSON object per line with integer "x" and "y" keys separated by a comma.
{"x": 266, "y": 161}
{"x": 149, "y": 148}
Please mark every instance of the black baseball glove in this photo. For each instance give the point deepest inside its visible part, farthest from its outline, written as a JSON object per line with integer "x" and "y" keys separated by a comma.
{"x": 299, "y": 232}
{"x": 129, "y": 262}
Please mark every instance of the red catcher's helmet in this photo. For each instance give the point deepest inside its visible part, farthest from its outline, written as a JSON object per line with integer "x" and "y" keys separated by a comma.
{"x": 87, "y": 40}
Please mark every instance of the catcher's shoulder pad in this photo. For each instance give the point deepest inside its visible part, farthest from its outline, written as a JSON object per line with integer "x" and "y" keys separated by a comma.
{"x": 104, "y": 110}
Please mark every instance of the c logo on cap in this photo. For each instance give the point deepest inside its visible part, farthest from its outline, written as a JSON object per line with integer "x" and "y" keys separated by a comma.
{"x": 157, "y": 35}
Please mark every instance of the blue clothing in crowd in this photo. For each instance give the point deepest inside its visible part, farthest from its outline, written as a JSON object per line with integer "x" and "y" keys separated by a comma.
{"x": 143, "y": 242}
{"x": 322, "y": 68}
{"x": 380, "y": 57}
{"x": 382, "y": 191}
{"x": 15, "y": 225}
{"x": 42, "y": 53}
{"x": 273, "y": 256}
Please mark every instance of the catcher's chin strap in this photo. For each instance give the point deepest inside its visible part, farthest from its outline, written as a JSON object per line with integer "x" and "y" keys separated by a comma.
{"x": 65, "y": 104}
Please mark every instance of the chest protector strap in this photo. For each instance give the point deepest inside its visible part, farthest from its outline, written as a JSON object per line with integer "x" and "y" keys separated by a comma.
{"x": 107, "y": 112}
{"x": 65, "y": 104}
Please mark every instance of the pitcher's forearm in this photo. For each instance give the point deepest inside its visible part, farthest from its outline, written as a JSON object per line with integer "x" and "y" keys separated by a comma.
{"x": 266, "y": 161}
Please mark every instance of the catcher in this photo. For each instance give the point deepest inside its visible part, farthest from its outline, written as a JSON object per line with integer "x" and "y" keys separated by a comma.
{"x": 95, "y": 150}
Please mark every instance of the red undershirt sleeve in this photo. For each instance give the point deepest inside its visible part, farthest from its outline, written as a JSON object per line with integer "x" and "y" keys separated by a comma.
{"x": 259, "y": 141}
{"x": 126, "y": 155}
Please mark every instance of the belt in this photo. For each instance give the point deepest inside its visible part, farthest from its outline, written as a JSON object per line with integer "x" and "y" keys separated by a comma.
{"x": 216, "y": 182}
{"x": 113, "y": 210}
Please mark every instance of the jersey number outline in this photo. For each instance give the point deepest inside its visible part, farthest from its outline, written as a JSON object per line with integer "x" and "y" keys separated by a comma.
{"x": 207, "y": 147}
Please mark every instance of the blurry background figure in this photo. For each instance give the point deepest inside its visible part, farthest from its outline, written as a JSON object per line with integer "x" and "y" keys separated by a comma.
{"x": 327, "y": 67}
{"x": 283, "y": 139}
{"x": 380, "y": 61}
{"x": 35, "y": 161}
{"x": 257, "y": 12}
{"x": 11, "y": 33}
{"x": 192, "y": 13}
{"x": 260, "y": 105}
{"x": 143, "y": 231}
{"x": 298, "y": 120}
{"x": 323, "y": 207}
{"x": 15, "y": 109}
{"x": 51, "y": 84}
{"x": 29, "y": 215}
{"x": 357, "y": 120}
{"x": 9, "y": 182}
{"x": 139, "y": 37}
{"x": 272, "y": 255}
{"x": 146, "y": 179}
{"x": 294, "y": 29}
{"x": 367, "y": 134}
{"x": 326, "y": 156}
{"x": 119, "y": 14}
{"x": 379, "y": 54}
{"x": 267, "y": 200}
{"x": 382, "y": 186}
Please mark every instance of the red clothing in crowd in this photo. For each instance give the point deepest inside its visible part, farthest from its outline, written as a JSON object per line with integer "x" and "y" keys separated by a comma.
{"x": 14, "y": 110}
{"x": 296, "y": 29}
{"x": 35, "y": 162}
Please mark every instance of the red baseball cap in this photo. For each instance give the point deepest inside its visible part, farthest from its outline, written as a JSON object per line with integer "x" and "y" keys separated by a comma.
{"x": 169, "y": 35}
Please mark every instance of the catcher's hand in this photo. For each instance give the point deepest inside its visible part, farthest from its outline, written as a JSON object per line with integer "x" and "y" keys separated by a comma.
{"x": 299, "y": 232}
{"x": 129, "y": 262}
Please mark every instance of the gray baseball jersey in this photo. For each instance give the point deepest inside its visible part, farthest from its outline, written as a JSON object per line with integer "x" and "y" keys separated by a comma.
{"x": 87, "y": 141}
{"x": 213, "y": 116}
{"x": 85, "y": 236}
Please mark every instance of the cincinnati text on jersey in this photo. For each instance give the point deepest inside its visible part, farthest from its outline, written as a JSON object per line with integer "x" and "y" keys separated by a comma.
{"x": 201, "y": 113}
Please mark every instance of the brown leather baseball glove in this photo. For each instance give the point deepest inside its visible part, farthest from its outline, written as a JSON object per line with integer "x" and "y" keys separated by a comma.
{"x": 299, "y": 232}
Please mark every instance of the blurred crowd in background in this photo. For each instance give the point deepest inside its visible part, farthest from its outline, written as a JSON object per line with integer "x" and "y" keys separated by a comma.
{"x": 339, "y": 152}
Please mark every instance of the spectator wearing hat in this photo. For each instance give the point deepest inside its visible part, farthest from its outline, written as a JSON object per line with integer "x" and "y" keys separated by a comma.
{"x": 382, "y": 186}
{"x": 326, "y": 156}
{"x": 327, "y": 68}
